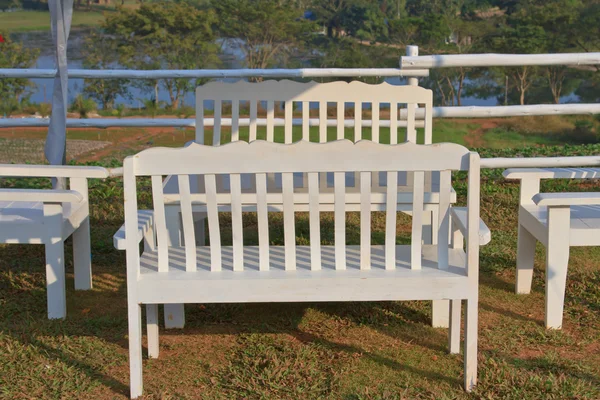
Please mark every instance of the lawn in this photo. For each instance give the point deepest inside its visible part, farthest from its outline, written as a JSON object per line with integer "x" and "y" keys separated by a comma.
{"x": 21, "y": 21}
{"x": 353, "y": 351}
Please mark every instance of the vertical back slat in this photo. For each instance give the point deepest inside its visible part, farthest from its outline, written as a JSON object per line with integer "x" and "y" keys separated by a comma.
{"x": 289, "y": 228}
{"x": 365, "y": 220}
{"x": 270, "y": 121}
{"x": 314, "y": 221}
{"x": 322, "y": 122}
{"x": 357, "y": 121}
{"x": 390, "y": 219}
{"x": 237, "y": 230}
{"x": 200, "y": 122}
{"x": 252, "y": 128}
{"x": 305, "y": 120}
{"x": 187, "y": 222}
{"x": 214, "y": 230}
{"x": 235, "y": 120}
{"x": 263, "y": 221}
{"x": 217, "y": 124}
{"x": 417, "y": 219}
{"x": 375, "y": 122}
{"x": 444, "y": 219}
{"x": 393, "y": 123}
{"x": 428, "y": 124}
{"x": 288, "y": 115}
{"x": 340, "y": 120}
{"x": 160, "y": 224}
{"x": 339, "y": 183}
{"x": 411, "y": 132}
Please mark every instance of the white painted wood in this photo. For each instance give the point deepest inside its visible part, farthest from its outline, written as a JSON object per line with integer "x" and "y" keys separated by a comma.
{"x": 235, "y": 120}
{"x": 365, "y": 220}
{"x": 35, "y": 195}
{"x": 459, "y": 222}
{"x": 289, "y": 225}
{"x": 443, "y": 223}
{"x": 411, "y": 131}
{"x": 390, "y": 219}
{"x": 263, "y": 220}
{"x": 253, "y": 120}
{"x": 160, "y": 224}
{"x": 214, "y": 231}
{"x": 187, "y": 222}
{"x": 497, "y": 60}
{"x": 471, "y": 321}
{"x": 217, "y": 126}
{"x": 288, "y": 121}
{"x": 525, "y": 259}
{"x": 554, "y": 173}
{"x": 417, "y": 219}
{"x": 145, "y": 226}
{"x": 55, "y": 262}
{"x": 340, "y": 120}
{"x": 314, "y": 221}
{"x": 393, "y": 123}
{"x": 305, "y": 120}
{"x": 290, "y": 275}
{"x": 174, "y": 316}
{"x": 236, "y": 223}
{"x": 339, "y": 182}
{"x": 454, "y": 324}
{"x": 439, "y": 313}
{"x": 52, "y": 171}
{"x": 557, "y": 261}
{"x": 152, "y": 329}
{"x": 200, "y": 122}
{"x": 322, "y": 121}
{"x": 213, "y": 73}
{"x": 375, "y": 122}
{"x": 358, "y": 122}
{"x": 270, "y": 117}
{"x": 82, "y": 251}
{"x": 567, "y": 199}
{"x": 136, "y": 383}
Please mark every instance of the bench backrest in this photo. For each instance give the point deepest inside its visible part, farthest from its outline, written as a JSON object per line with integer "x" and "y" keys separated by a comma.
{"x": 260, "y": 158}
{"x": 247, "y": 101}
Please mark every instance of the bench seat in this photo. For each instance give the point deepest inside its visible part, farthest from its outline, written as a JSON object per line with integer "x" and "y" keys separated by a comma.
{"x": 302, "y": 284}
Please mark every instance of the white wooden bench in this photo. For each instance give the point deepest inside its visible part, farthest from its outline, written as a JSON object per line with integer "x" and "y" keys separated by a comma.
{"x": 49, "y": 217}
{"x": 558, "y": 221}
{"x": 167, "y": 273}
{"x": 262, "y": 101}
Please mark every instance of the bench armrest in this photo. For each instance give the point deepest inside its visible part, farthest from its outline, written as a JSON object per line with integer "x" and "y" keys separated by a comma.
{"x": 41, "y": 195}
{"x": 52, "y": 171}
{"x": 567, "y": 199}
{"x": 552, "y": 173}
{"x": 145, "y": 224}
{"x": 459, "y": 219}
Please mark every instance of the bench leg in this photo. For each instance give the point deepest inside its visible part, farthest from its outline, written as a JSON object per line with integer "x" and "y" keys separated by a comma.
{"x": 557, "y": 261}
{"x": 471, "y": 343}
{"x": 174, "y": 316}
{"x": 525, "y": 259}
{"x": 55, "y": 262}
{"x": 135, "y": 349}
{"x": 174, "y": 313}
{"x": 454, "y": 331}
{"x": 439, "y": 313}
{"x": 55, "y": 280}
{"x": 82, "y": 256}
{"x": 152, "y": 329}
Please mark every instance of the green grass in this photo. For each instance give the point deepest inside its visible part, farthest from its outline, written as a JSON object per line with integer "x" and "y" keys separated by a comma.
{"x": 352, "y": 351}
{"x": 22, "y": 21}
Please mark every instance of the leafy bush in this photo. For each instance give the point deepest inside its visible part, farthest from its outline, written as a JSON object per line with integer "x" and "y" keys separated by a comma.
{"x": 83, "y": 106}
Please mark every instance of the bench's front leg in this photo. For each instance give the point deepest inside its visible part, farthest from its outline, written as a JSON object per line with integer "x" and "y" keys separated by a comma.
{"x": 174, "y": 313}
{"x": 557, "y": 261}
{"x": 55, "y": 262}
{"x": 82, "y": 251}
{"x": 439, "y": 308}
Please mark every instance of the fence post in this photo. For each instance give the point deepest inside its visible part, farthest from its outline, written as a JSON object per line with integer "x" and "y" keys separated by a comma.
{"x": 412, "y": 51}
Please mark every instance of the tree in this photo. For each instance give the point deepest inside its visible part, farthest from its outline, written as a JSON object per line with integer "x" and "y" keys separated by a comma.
{"x": 15, "y": 55}
{"x": 329, "y": 14}
{"x": 165, "y": 36}
{"x": 265, "y": 30}
{"x": 365, "y": 21}
{"x": 102, "y": 53}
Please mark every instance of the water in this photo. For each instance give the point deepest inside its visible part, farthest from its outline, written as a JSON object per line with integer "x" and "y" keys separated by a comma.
{"x": 231, "y": 58}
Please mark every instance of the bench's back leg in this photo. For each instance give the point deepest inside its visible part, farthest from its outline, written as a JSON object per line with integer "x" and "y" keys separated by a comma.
{"x": 135, "y": 349}
{"x": 152, "y": 329}
{"x": 525, "y": 259}
{"x": 471, "y": 342}
{"x": 82, "y": 256}
{"x": 55, "y": 262}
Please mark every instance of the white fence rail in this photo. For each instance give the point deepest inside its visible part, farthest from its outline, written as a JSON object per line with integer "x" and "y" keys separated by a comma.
{"x": 438, "y": 112}
{"x": 497, "y": 60}
{"x": 216, "y": 73}
{"x": 411, "y": 66}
